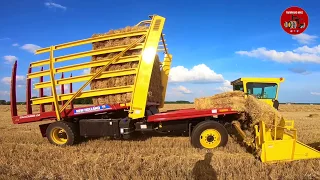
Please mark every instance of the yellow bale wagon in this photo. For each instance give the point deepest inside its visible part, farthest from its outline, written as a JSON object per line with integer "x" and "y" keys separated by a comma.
{"x": 122, "y": 120}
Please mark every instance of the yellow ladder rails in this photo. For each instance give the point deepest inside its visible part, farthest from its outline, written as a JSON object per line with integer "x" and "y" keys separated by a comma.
{"x": 149, "y": 48}
{"x": 100, "y": 71}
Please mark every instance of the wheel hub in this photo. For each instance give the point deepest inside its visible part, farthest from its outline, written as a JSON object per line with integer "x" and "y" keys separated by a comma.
{"x": 59, "y": 136}
{"x": 210, "y": 138}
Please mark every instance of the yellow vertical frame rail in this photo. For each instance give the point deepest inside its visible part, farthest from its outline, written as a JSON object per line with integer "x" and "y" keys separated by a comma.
{"x": 53, "y": 84}
{"x": 165, "y": 76}
{"x": 142, "y": 81}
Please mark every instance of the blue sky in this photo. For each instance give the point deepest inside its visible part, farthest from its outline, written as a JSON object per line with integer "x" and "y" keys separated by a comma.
{"x": 214, "y": 40}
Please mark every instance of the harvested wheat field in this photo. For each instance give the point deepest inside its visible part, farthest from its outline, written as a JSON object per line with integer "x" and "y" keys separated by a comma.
{"x": 24, "y": 154}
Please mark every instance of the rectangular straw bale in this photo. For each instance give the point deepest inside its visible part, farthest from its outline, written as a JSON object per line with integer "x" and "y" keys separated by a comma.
{"x": 155, "y": 88}
{"x": 254, "y": 109}
{"x": 259, "y": 110}
{"x": 233, "y": 100}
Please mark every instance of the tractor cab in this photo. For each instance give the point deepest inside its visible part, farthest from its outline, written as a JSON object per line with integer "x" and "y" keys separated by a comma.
{"x": 265, "y": 89}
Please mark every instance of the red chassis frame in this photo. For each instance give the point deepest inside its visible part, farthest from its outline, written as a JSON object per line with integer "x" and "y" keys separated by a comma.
{"x": 74, "y": 112}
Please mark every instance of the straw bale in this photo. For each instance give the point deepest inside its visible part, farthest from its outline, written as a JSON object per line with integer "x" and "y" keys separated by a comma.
{"x": 254, "y": 109}
{"x": 155, "y": 88}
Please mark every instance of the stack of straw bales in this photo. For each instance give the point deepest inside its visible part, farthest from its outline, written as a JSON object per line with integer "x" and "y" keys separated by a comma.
{"x": 254, "y": 109}
{"x": 155, "y": 88}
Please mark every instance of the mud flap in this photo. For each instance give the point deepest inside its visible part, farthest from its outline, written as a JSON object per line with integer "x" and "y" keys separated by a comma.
{"x": 43, "y": 128}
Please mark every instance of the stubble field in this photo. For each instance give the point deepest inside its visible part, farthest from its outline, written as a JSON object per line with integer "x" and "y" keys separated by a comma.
{"x": 24, "y": 154}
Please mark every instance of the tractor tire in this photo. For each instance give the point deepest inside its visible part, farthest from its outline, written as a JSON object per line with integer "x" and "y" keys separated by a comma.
{"x": 209, "y": 135}
{"x": 62, "y": 133}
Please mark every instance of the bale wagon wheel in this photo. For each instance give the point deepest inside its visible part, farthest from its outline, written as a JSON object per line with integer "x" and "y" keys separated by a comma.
{"x": 62, "y": 133}
{"x": 209, "y": 135}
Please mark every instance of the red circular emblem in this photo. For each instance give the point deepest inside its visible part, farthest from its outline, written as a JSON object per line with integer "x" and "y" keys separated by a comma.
{"x": 294, "y": 20}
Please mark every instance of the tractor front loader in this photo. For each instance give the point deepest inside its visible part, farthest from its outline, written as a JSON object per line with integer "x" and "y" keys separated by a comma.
{"x": 275, "y": 142}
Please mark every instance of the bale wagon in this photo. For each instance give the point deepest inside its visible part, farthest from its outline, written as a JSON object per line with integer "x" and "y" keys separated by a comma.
{"x": 138, "y": 113}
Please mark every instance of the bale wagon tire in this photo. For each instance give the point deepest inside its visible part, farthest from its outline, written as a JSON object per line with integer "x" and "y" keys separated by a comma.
{"x": 62, "y": 133}
{"x": 209, "y": 135}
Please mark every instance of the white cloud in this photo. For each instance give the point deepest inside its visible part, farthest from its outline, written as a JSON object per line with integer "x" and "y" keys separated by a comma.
{"x": 86, "y": 71}
{"x": 315, "y": 93}
{"x": 54, "y": 5}
{"x": 226, "y": 87}
{"x": 302, "y": 54}
{"x": 6, "y": 38}
{"x": 20, "y": 80}
{"x": 306, "y": 49}
{"x": 9, "y": 59}
{"x": 4, "y": 93}
{"x": 15, "y": 44}
{"x": 30, "y": 47}
{"x": 227, "y": 83}
{"x": 182, "y": 89}
{"x": 199, "y": 73}
{"x": 304, "y": 38}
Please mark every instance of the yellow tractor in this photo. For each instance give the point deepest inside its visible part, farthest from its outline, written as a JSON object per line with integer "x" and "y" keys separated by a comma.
{"x": 278, "y": 141}
{"x": 265, "y": 89}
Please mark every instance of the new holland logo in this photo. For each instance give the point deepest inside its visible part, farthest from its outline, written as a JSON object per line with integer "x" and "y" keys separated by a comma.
{"x": 91, "y": 109}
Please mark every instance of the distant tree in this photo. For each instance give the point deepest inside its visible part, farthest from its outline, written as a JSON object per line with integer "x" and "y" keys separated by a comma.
{"x": 3, "y": 102}
{"x": 178, "y": 102}
{"x": 8, "y": 103}
{"x": 87, "y": 100}
{"x": 182, "y": 102}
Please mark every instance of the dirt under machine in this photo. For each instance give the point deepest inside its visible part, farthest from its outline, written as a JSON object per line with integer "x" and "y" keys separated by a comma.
{"x": 139, "y": 114}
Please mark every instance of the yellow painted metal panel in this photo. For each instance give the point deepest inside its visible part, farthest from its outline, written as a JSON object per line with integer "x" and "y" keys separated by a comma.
{"x": 92, "y": 40}
{"x": 89, "y": 93}
{"x": 165, "y": 76}
{"x": 303, "y": 151}
{"x": 39, "y": 63}
{"x": 259, "y": 79}
{"x": 286, "y": 148}
{"x": 38, "y": 74}
{"x": 277, "y": 150}
{"x": 86, "y": 53}
{"x": 141, "y": 87}
{"x": 268, "y": 101}
{"x": 86, "y": 77}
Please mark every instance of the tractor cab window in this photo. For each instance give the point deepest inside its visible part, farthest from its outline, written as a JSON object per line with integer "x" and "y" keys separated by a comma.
{"x": 238, "y": 87}
{"x": 262, "y": 90}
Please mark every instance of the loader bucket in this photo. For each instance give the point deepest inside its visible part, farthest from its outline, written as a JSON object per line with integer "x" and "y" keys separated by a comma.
{"x": 281, "y": 144}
